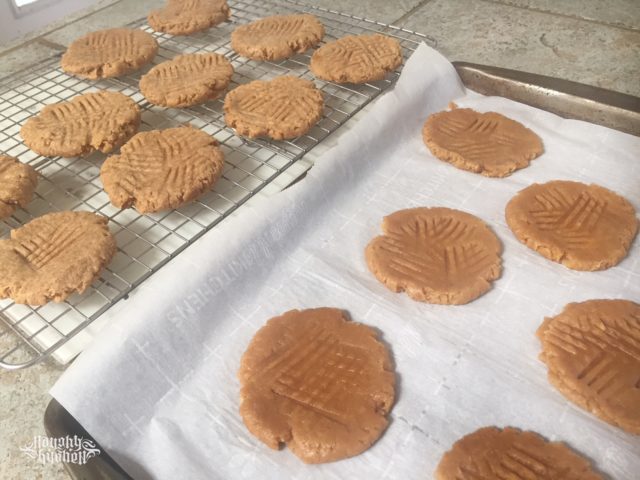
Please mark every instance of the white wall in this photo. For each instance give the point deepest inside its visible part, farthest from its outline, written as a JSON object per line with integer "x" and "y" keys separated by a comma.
{"x": 38, "y": 14}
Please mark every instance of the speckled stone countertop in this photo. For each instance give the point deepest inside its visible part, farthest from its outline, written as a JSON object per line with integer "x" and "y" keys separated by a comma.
{"x": 596, "y": 42}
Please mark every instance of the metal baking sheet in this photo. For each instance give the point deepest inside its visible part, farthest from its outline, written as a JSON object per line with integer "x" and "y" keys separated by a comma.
{"x": 147, "y": 242}
{"x": 488, "y": 80}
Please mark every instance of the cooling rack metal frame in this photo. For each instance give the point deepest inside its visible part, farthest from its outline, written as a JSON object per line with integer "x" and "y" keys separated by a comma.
{"x": 147, "y": 242}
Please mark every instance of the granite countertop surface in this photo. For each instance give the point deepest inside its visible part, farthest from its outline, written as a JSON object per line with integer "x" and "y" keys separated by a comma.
{"x": 596, "y": 42}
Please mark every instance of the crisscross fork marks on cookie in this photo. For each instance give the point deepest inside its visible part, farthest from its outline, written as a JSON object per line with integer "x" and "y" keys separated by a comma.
{"x": 604, "y": 341}
{"x": 43, "y": 249}
{"x": 572, "y": 222}
{"x": 467, "y": 259}
{"x": 327, "y": 371}
{"x": 437, "y": 231}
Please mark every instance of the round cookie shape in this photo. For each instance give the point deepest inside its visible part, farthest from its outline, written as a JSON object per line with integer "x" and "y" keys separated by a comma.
{"x": 187, "y": 80}
{"x": 583, "y": 227}
{"x": 277, "y": 37}
{"x": 356, "y": 58}
{"x": 487, "y": 143}
{"x": 109, "y": 53}
{"x": 285, "y": 107}
{"x": 94, "y": 121}
{"x": 183, "y": 17}
{"x": 54, "y": 256}
{"x": 318, "y": 383}
{"x": 17, "y": 184}
{"x": 436, "y": 255}
{"x": 509, "y": 453}
{"x": 592, "y": 351}
{"x": 162, "y": 169}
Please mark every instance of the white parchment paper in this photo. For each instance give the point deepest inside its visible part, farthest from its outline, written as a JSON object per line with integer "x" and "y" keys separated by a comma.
{"x": 159, "y": 391}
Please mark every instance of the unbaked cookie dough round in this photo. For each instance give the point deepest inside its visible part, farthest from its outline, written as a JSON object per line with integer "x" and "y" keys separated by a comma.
{"x": 487, "y": 143}
{"x": 492, "y": 453}
{"x": 592, "y": 351}
{"x": 318, "y": 383}
{"x": 436, "y": 255}
{"x": 584, "y": 227}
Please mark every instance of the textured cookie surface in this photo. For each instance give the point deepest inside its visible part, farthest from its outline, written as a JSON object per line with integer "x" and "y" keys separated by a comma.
{"x": 487, "y": 143}
{"x": 109, "y": 53}
{"x": 54, "y": 256}
{"x": 493, "y": 454}
{"x": 318, "y": 383}
{"x": 584, "y": 227}
{"x": 435, "y": 255}
{"x": 187, "y": 80}
{"x": 162, "y": 169}
{"x": 592, "y": 351}
{"x": 277, "y": 37}
{"x": 182, "y": 17}
{"x": 285, "y": 107}
{"x": 17, "y": 183}
{"x": 356, "y": 58}
{"x": 94, "y": 121}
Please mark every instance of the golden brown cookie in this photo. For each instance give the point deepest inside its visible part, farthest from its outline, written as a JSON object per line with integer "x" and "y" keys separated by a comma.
{"x": 511, "y": 454}
{"x": 285, "y": 107}
{"x": 584, "y": 227}
{"x": 318, "y": 383}
{"x": 486, "y": 143}
{"x": 187, "y": 80}
{"x": 109, "y": 53}
{"x": 592, "y": 350}
{"x": 356, "y": 58}
{"x": 162, "y": 169}
{"x": 436, "y": 255}
{"x": 94, "y": 121}
{"x": 54, "y": 256}
{"x": 17, "y": 184}
{"x": 277, "y": 37}
{"x": 183, "y": 17}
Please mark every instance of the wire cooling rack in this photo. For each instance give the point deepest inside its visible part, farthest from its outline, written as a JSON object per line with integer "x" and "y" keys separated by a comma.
{"x": 147, "y": 242}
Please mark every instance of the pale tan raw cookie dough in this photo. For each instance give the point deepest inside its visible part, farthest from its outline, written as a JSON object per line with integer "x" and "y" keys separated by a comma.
{"x": 54, "y": 256}
{"x": 277, "y": 37}
{"x": 94, "y": 121}
{"x": 285, "y": 107}
{"x": 435, "y": 255}
{"x": 109, "y": 53}
{"x": 17, "y": 184}
{"x": 511, "y": 454}
{"x": 356, "y": 58}
{"x": 318, "y": 383}
{"x": 187, "y": 80}
{"x": 487, "y": 143}
{"x": 584, "y": 227}
{"x": 592, "y": 350}
{"x": 183, "y": 17}
{"x": 162, "y": 169}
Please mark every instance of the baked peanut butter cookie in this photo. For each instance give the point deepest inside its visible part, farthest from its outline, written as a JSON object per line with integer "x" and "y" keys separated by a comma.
{"x": 492, "y": 454}
{"x": 592, "y": 351}
{"x": 357, "y": 58}
{"x": 54, "y": 256}
{"x": 584, "y": 227}
{"x": 109, "y": 53}
{"x": 162, "y": 169}
{"x": 187, "y": 80}
{"x": 94, "y": 121}
{"x": 318, "y": 383}
{"x": 183, "y": 17}
{"x": 17, "y": 184}
{"x": 436, "y": 255}
{"x": 277, "y": 37}
{"x": 285, "y": 107}
{"x": 487, "y": 143}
